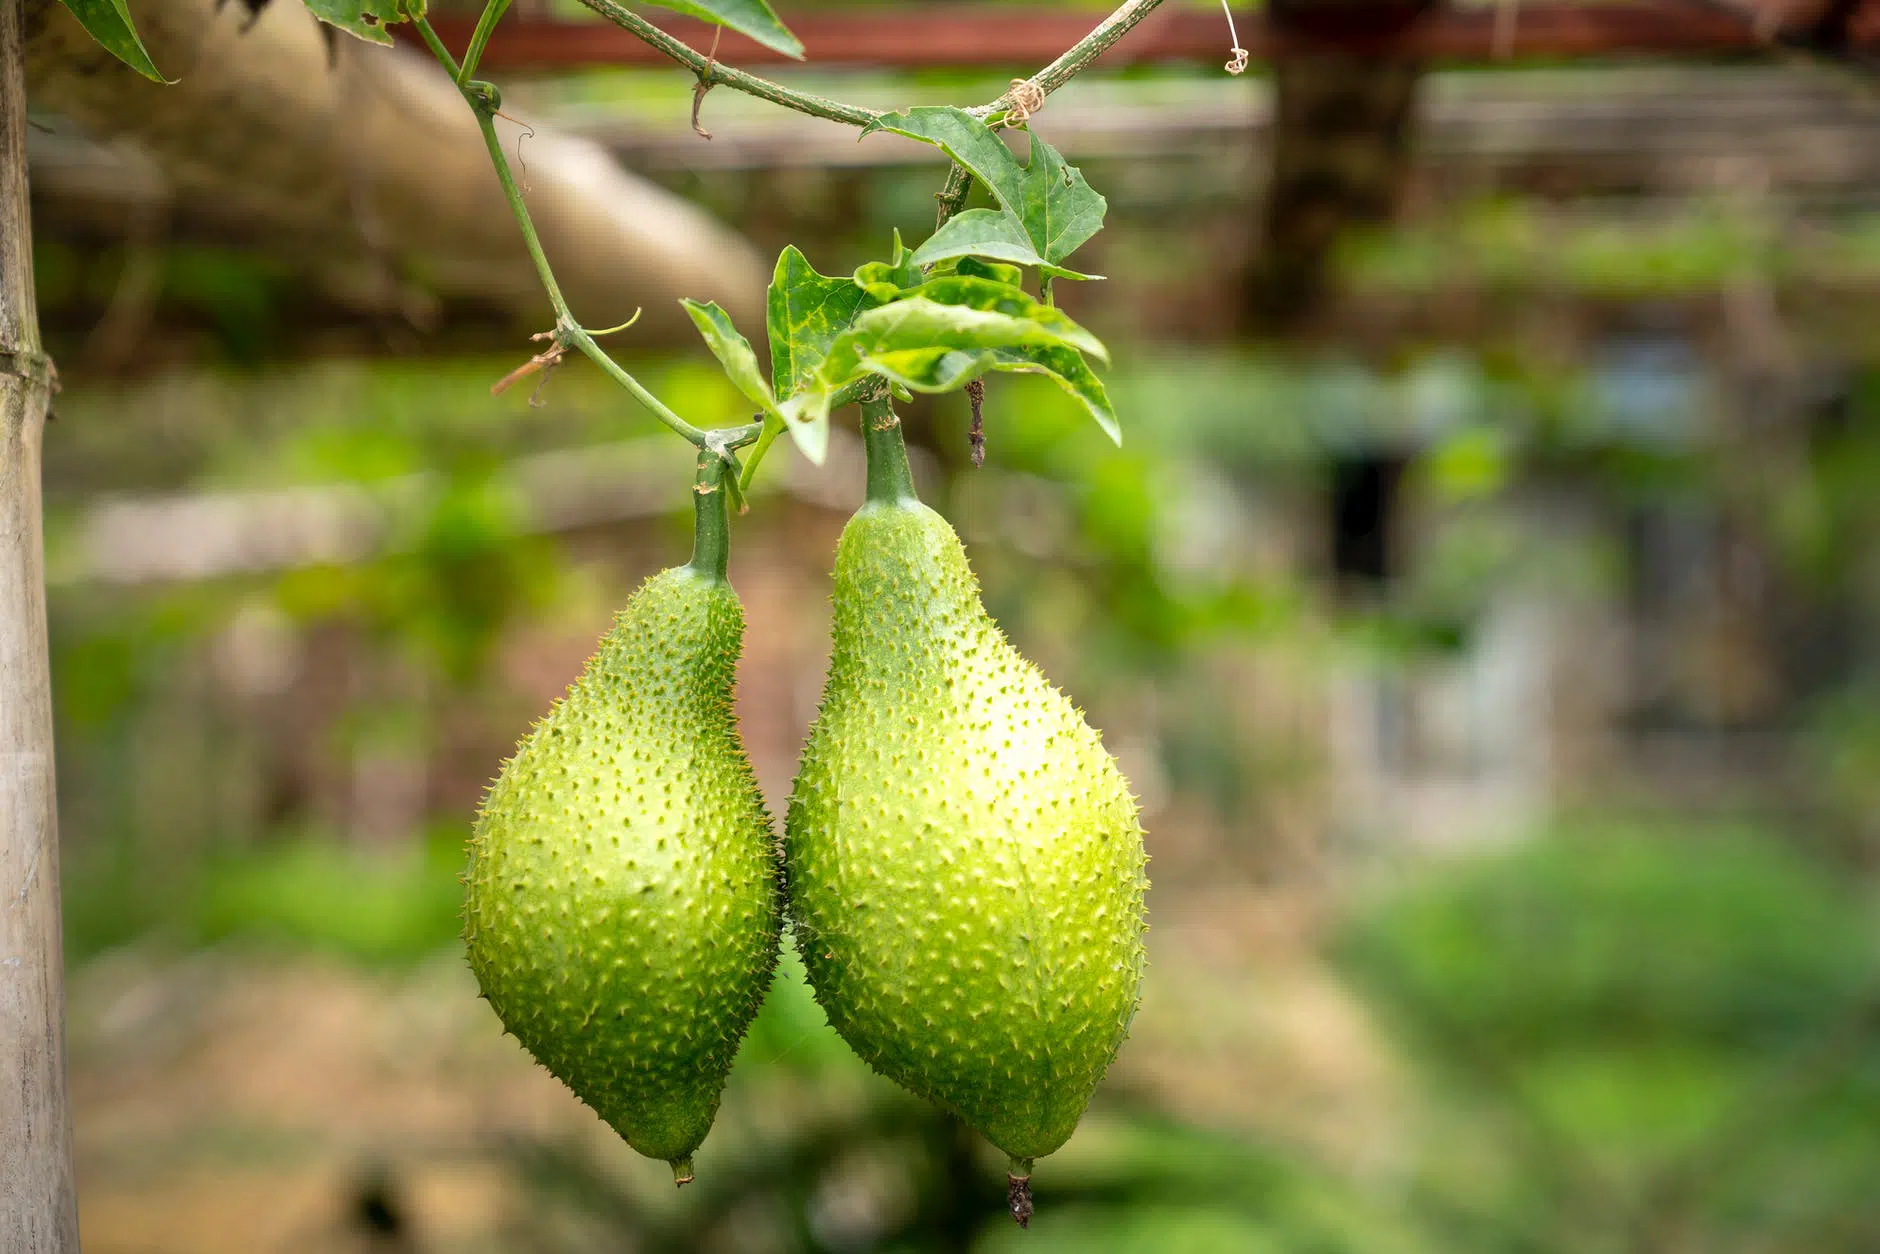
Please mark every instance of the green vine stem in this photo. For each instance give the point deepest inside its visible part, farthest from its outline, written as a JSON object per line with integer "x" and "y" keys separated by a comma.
{"x": 1073, "y": 62}
{"x": 952, "y": 197}
{"x": 485, "y": 101}
{"x": 711, "y": 527}
{"x": 850, "y": 393}
{"x": 480, "y": 39}
{"x": 712, "y": 73}
{"x": 890, "y": 478}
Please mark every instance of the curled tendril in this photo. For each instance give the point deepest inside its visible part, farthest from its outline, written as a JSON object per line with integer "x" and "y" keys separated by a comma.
{"x": 1237, "y": 64}
{"x": 1027, "y": 99}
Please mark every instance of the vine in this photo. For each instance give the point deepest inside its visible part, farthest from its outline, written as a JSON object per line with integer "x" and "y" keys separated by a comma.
{"x": 936, "y": 318}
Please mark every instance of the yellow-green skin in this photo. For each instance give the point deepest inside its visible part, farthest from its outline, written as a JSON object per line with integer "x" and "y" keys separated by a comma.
{"x": 964, "y": 859}
{"x": 622, "y": 911}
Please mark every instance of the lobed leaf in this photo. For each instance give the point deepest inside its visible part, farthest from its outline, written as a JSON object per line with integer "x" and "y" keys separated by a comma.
{"x": 1060, "y": 209}
{"x": 806, "y": 313}
{"x": 1047, "y": 209}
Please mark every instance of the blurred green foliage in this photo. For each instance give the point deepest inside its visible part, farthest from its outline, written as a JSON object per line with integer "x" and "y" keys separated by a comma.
{"x": 1638, "y": 1035}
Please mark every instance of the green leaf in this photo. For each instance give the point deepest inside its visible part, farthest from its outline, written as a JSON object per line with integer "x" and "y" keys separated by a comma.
{"x": 754, "y": 19}
{"x": 1004, "y": 298}
{"x": 1068, "y": 370}
{"x": 980, "y": 233}
{"x": 365, "y": 19}
{"x": 931, "y": 369}
{"x": 807, "y": 312}
{"x": 1060, "y": 210}
{"x": 109, "y": 22}
{"x": 919, "y": 323}
{"x": 1048, "y": 204}
{"x": 964, "y": 138}
{"x": 732, "y": 350}
{"x": 884, "y": 280}
{"x": 974, "y": 268}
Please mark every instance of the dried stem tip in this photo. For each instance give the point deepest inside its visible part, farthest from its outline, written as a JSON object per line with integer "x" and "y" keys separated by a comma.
{"x": 682, "y": 1171}
{"x": 1018, "y": 1191}
{"x": 976, "y": 435}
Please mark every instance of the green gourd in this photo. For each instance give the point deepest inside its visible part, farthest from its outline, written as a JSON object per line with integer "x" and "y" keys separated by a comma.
{"x": 965, "y": 861}
{"x": 623, "y": 905}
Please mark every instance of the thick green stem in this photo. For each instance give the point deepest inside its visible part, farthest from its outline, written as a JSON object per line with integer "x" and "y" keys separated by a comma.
{"x": 890, "y": 479}
{"x": 711, "y": 522}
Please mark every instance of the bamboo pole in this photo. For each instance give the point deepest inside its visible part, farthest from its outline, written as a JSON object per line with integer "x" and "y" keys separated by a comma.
{"x": 38, "y": 1206}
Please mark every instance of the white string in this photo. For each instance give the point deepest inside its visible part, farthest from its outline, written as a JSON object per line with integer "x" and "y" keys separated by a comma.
{"x": 1239, "y": 64}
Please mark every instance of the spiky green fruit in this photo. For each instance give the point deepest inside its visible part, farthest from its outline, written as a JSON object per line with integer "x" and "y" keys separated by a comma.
{"x": 622, "y": 912}
{"x": 965, "y": 861}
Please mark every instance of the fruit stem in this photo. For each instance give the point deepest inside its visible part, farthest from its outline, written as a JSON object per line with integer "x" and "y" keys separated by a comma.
{"x": 682, "y": 1171}
{"x": 711, "y": 528}
{"x": 890, "y": 480}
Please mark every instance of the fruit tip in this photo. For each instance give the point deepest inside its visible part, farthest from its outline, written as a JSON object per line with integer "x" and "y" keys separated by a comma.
{"x": 682, "y": 1171}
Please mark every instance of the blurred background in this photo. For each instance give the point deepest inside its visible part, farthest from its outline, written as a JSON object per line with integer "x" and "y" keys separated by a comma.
{"x": 1484, "y": 602}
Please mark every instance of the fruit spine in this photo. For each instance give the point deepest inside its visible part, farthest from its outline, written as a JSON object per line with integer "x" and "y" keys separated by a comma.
{"x": 622, "y": 907}
{"x": 965, "y": 861}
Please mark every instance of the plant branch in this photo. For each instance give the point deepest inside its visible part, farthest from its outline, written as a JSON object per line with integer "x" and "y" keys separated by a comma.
{"x": 712, "y": 73}
{"x": 952, "y": 197}
{"x": 1079, "y": 56}
{"x": 480, "y": 38}
{"x": 483, "y": 101}
{"x": 436, "y": 45}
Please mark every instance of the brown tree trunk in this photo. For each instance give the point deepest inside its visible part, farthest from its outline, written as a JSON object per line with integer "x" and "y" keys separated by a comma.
{"x": 38, "y": 1207}
{"x": 1341, "y": 145}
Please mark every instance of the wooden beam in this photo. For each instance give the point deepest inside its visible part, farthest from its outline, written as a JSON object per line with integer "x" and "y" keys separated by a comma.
{"x": 965, "y": 35}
